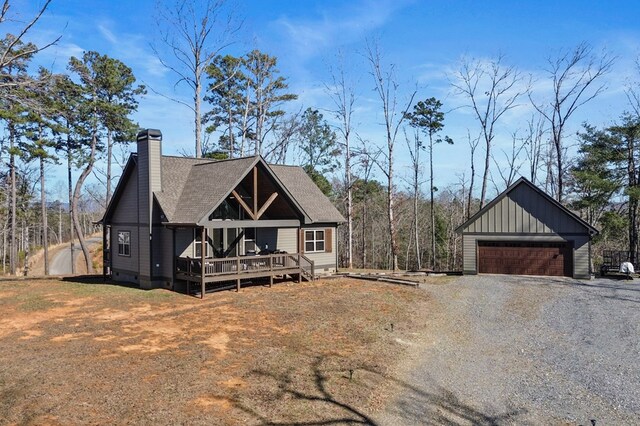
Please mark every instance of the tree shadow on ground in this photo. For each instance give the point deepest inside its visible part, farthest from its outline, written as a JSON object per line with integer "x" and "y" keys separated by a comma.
{"x": 414, "y": 405}
{"x": 97, "y": 280}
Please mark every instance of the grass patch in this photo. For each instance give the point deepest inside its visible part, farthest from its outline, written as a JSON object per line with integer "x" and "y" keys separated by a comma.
{"x": 319, "y": 352}
{"x": 116, "y": 290}
{"x": 34, "y": 302}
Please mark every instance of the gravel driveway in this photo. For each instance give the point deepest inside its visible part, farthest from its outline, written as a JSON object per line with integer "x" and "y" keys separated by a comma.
{"x": 525, "y": 350}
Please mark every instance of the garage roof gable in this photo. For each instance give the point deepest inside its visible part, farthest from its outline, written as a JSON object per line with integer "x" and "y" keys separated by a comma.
{"x": 543, "y": 213}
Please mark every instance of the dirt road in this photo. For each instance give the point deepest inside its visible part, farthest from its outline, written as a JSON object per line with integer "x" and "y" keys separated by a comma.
{"x": 61, "y": 262}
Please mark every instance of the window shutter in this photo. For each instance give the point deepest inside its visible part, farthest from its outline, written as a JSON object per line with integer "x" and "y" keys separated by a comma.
{"x": 328, "y": 240}
{"x": 301, "y": 241}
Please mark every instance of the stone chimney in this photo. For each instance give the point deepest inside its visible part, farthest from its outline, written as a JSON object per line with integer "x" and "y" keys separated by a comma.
{"x": 149, "y": 180}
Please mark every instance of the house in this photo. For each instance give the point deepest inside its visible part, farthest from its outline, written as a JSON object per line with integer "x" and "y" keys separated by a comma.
{"x": 201, "y": 221}
{"x": 524, "y": 231}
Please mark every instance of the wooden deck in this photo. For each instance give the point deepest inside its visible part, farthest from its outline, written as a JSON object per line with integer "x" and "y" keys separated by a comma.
{"x": 242, "y": 268}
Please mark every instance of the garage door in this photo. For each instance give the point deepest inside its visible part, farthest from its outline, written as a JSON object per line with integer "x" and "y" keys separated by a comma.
{"x": 524, "y": 258}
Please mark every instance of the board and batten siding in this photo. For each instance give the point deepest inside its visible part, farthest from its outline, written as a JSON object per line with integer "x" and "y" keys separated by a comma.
{"x": 524, "y": 215}
{"x": 324, "y": 262}
{"x": 525, "y": 211}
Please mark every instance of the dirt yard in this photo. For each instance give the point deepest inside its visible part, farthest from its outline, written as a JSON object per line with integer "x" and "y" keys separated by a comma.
{"x": 89, "y": 353}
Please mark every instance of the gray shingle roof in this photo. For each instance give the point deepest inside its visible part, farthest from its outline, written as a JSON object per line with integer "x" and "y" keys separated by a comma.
{"x": 175, "y": 172}
{"x": 314, "y": 203}
{"x": 192, "y": 187}
{"x": 207, "y": 185}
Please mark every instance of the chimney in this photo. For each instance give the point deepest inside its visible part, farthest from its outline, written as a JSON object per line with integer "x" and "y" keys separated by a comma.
{"x": 149, "y": 180}
{"x": 149, "y": 157}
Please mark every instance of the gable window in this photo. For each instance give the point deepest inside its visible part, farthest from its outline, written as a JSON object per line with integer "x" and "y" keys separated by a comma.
{"x": 124, "y": 243}
{"x": 314, "y": 241}
{"x": 197, "y": 244}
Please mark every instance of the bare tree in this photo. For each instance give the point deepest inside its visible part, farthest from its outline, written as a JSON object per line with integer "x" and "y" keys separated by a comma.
{"x": 285, "y": 135}
{"x": 386, "y": 87}
{"x": 491, "y": 89}
{"x": 415, "y": 145}
{"x": 534, "y": 145}
{"x": 194, "y": 33}
{"x": 575, "y": 75}
{"x": 514, "y": 162}
{"x": 633, "y": 91}
{"x": 473, "y": 145}
{"x": 343, "y": 96}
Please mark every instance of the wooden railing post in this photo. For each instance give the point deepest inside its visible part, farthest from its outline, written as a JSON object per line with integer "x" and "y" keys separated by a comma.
{"x": 238, "y": 273}
{"x": 270, "y": 270}
{"x": 203, "y": 241}
{"x": 188, "y": 275}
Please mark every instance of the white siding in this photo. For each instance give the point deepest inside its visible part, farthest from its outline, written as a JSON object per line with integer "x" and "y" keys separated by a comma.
{"x": 287, "y": 240}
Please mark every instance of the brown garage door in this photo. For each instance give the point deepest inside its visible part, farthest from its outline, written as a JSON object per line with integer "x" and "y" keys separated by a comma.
{"x": 524, "y": 258}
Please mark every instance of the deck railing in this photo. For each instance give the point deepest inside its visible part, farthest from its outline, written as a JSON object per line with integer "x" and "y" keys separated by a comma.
{"x": 238, "y": 265}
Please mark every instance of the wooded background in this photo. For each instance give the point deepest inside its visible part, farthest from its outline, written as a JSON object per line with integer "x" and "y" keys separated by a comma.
{"x": 243, "y": 106}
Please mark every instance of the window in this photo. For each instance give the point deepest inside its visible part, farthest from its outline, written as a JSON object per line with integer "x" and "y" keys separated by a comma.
{"x": 313, "y": 241}
{"x": 197, "y": 244}
{"x": 124, "y": 243}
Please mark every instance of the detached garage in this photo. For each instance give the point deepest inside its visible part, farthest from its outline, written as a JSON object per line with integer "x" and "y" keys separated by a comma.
{"x": 524, "y": 231}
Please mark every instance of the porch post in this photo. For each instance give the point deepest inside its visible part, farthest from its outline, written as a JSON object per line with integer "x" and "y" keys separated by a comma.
{"x": 203, "y": 239}
{"x": 174, "y": 260}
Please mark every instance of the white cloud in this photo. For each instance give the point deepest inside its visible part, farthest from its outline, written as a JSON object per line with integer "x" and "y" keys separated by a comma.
{"x": 133, "y": 50}
{"x": 309, "y": 37}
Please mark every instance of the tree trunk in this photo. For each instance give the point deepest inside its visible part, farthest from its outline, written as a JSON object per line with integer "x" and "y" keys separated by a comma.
{"x": 76, "y": 197}
{"x": 393, "y": 232}
{"x": 364, "y": 235}
{"x": 485, "y": 175}
{"x": 633, "y": 200}
{"x": 433, "y": 214}
{"x": 26, "y": 248}
{"x": 416, "y": 230}
{"x": 71, "y": 209}
{"x": 197, "y": 102}
{"x": 13, "y": 253}
{"x": 45, "y": 222}
{"x": 347, "y": 166}
{"x": 109, "y": 160}
{"x": 560, "y": 170}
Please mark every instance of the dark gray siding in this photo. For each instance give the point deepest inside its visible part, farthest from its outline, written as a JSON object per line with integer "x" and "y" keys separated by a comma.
{"x": 524, "y": 210}
{"x": 124, "y": 263}
{"x": 125, "y": 218}
{"x": 524, "y": 215}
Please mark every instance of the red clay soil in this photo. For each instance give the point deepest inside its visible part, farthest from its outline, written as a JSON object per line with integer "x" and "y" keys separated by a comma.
{"x": 90, "y": 353}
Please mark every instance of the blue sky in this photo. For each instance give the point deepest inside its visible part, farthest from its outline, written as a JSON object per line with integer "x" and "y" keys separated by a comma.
{"x": 424, "y": 39}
